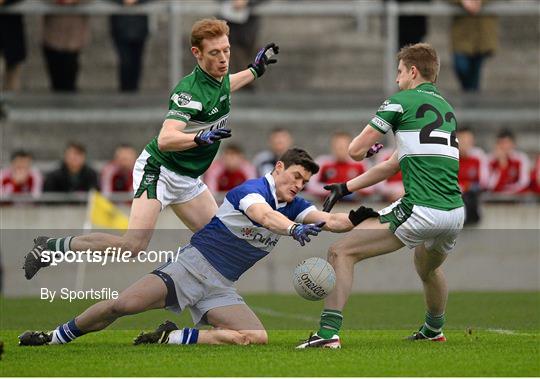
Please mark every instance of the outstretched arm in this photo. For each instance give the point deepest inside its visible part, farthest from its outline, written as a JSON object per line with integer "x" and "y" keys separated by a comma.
{"x": 256, "y": 69}
{"x": 365, "y": 144}
{"x": 376, "y": 174}
{"x": 263, "y": 214}
{"x": 335, "y": 222}
{"x": 172, "y": 137}
{"x": 241, "y": 78}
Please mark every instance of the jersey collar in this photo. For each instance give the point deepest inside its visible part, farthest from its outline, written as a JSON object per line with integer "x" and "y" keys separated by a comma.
{"x": 270, "y": 179}
{"x": 209, "y": 78}
{"x": 427, "y": 86}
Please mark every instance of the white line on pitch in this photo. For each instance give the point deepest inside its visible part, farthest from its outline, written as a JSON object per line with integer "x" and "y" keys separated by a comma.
{"x": 509, "y": 332}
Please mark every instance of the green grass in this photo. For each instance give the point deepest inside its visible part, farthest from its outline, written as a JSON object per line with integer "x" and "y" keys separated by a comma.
{"x": 504, "y": 340}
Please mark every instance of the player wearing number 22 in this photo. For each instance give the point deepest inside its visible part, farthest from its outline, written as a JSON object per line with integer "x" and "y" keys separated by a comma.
{"x": 427, "y": 218}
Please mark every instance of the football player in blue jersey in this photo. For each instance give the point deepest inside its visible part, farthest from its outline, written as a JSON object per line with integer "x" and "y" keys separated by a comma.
{"x": 201, "y": 277}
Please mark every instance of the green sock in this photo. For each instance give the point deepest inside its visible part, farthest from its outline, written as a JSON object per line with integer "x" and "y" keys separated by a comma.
{"x": 330, "y": 324}
{"x": 433, "y": 325}
{"x": 59, "y": 244}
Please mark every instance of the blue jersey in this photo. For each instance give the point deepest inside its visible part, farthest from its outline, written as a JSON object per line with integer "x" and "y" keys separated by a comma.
{"x": 231, "y": 241}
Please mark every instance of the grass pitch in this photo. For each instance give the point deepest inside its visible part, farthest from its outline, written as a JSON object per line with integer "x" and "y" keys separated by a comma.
{"x": 489, "y": 334}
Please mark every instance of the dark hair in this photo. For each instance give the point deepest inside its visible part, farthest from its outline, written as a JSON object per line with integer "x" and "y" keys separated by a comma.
{"x": 506, "y": 133}
{"x": 77, "y": 146}
{"x": 297, "y": 156}
{"x": 20, "y": 154}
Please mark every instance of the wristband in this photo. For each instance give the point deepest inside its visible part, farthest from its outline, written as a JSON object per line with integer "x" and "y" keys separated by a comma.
{"x": 291, "y": 228}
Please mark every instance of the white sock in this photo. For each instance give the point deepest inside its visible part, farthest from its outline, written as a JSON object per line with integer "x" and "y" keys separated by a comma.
{"x": 184, "y": 336}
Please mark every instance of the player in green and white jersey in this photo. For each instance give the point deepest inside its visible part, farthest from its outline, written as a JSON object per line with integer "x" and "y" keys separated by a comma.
{"x": 168, "y": 170}
{"x": 427, "y": 218}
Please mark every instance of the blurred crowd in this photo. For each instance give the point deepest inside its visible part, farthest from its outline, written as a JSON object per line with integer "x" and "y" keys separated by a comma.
{"x": 474, "y": 37}
{"x": 64, "y": 36}
{"x": 505, "y": 170}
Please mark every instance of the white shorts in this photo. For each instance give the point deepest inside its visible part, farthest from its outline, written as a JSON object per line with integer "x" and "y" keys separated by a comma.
{"x": 437, "y": 229}
{"x": 193, "y": 283}
{"x": 163, "y": 184}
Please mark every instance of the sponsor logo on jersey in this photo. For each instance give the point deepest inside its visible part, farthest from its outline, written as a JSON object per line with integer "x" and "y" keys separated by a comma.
{"x": 249, "y": 233}
{"x": 220, "y": 124}
{"x": 182, "y": 98}
{"x": 381, "y": 108}
{"x": 399, "y": 214}
{"x": 213, "y": 111}
{"x": 149, "y": 179}
{"x": 176, "y": 113}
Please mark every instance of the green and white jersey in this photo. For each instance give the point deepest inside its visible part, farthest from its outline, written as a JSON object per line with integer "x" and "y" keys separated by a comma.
{"x": 203, "y": 103}
{"x": 424, "y": 125}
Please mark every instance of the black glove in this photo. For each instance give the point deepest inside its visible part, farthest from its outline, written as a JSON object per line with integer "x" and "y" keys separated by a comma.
{"x": 337, "y": 192}
{"x": 361, "y": 214}
{"x": 263, "y": 59}
{"x": 208, "y": 137}
{"x": 301, "y": 232}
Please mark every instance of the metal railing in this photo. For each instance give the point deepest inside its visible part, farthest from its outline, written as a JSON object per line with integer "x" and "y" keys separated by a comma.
{"x": 360, "y": 9}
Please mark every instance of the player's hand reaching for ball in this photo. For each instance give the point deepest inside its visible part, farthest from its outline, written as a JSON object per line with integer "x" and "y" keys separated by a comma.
{"x": 337, "y": 192}
{"x": 301, "y": 232}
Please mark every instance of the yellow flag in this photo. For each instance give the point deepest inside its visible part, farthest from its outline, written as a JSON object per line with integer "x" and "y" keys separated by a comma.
{"x": 105, "y": 214}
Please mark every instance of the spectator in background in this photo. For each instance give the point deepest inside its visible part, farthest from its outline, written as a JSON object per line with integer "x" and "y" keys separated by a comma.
{"x": 411, "y": 29}
{"x": 474, "y": 38}
{"x": 392, "y": 188}
{"x": 12, "y": 47}
{"x": 244, "y": 28}
{"x": 338, "y": 167}
{"x": 117, "y": 175}
{"x": 64, "y": 36}
{"x": 473, "y": 174}
{"x": 535, "y": 177}
{"x": 509, "y": 169}
{"x": 231, "y": 170}
{"x": 129, "y": 33}
{"x": 279, "y": 141}
{"x": 20, "y": 177}
{"x": 73, "y": 174}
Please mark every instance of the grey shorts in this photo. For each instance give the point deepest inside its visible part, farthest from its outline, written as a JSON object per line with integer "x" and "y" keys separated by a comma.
{"x": 195, "y": 284}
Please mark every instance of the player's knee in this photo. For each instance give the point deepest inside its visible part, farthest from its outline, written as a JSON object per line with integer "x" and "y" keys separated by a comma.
{"x": 427, "y": 275}
{"x": 337, "y": 252}
{"x": 333, "y": 253}
{"x": 256, "y": 337}
{"x": 126, "y": 306}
